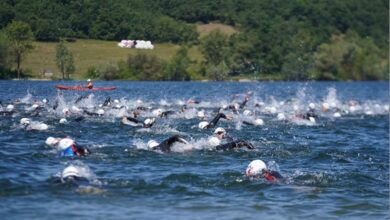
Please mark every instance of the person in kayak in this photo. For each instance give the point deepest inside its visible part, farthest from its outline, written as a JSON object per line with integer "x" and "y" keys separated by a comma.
{"x": 89, "y": 84}
{"x": 257, "y": 168}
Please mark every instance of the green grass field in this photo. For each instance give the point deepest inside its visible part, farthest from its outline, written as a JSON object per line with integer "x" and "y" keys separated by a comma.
{"x": 88, "y": 53}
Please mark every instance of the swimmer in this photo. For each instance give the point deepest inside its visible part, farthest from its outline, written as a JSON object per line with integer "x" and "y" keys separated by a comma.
{"x": 166, "y": 145}
{"x": 220, "y": 134}
{"x": 148, "y": 123}
{"x": 73, "y": 173}
{"x": 89, "y": 84}
{"x": 257, "y": 168}
{"x": 70, "y": 149}
{"x": 214, "y": 121}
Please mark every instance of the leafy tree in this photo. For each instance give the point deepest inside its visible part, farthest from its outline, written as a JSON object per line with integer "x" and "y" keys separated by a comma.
{"x": 213, "y": 47}
{"x": 4, "y": 60}
{"x": 146, "y": 67}
{"x": 20, "y": 39}
{"x": 177, "y": 67}
{"x": 64, "y": 58}
{"x": 349, "y": 57}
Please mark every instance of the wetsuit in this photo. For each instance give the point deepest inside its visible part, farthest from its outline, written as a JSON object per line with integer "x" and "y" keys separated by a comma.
{"x": 166, "y": 145}
{"x": 272, "y": 176}
{"x": 235, "y": 144}
{"x": 215, "y": 120}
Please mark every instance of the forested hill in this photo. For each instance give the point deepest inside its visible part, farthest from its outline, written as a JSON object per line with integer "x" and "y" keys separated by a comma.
{"x": 323, "y": 39}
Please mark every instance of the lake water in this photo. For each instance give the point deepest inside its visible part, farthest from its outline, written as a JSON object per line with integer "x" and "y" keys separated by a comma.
{"x": 335, "y": 168}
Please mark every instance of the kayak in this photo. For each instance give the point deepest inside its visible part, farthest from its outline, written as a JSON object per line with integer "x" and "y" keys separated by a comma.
{"x": 81, "y": 88}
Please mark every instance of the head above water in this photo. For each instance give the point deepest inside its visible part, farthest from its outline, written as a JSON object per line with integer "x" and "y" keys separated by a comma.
{"x": 152, "y": 144}
{"x": 89, "y": 80}
{"x": 25, "y": 121}
{"x": 256, "y": 167}
{"x": 220, "y": 132}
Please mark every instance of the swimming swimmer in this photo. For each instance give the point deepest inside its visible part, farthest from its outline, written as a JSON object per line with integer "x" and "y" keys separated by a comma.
{"x": 70, "y": 149}
{"x": 89, "y": 84}
{"x": 73, "y": 173}
{"x": 148, "y": 123}
{"x": 220, "y": 134}
{"x": 166, "y": 145}
{"x": 214, "y": 121}
{"x": 257, "y": 168}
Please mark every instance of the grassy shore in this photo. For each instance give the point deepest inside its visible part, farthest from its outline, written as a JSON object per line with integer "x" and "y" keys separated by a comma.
{"x": 89, "y": 53}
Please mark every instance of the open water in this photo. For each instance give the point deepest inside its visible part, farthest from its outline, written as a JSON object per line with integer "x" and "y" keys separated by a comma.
{"x": 335, "y": 168}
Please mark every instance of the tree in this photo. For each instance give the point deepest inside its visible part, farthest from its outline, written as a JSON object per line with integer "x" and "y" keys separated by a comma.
{"x": 213, "y": 47}
{"x": 349, "y": 57}
{"x": 177, "y": 67}
{"x": 64, "y": 60}
{"x": 4, "y": 61}
{"x": 20, "y": 39}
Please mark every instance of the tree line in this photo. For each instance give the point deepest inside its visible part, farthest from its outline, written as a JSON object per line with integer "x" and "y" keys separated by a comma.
{"x": 293, "y": 40}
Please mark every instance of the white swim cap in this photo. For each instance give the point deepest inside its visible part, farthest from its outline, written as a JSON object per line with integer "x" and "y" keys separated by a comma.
{"x": 255, "y": 167}
{"x": 100, "y": 111}
{"x": 44, "y": 100}
{"x": 149, "y": 121}
{"x": 51, "y": 141}
{"x": 35, "y": 106}
{"x": 281, "y": 116}
{"x": 63, "y": 121}
{"x": 65, "y": 143}
{"x": 312, "y": 119}
{"x": 337, "y": 115}
{"x": 9, "y": 108}
{"x": 259, "y": 121}
{"x": 70, "y": 171}
{"x": 152, "y": 144}
{"x": 89, "y": 80}
{"x": 203, "y": 124}
{"x": 312, "y": 105}
{"x": 25, "y": 121}
{"x": 219, "y": 130}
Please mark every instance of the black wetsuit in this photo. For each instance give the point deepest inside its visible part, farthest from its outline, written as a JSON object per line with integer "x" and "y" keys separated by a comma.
{"x": 215, "y": 120}
{"x": 137, "y": 122}
{"x": 166, "y": 145}
{"x": 235, "y": 144}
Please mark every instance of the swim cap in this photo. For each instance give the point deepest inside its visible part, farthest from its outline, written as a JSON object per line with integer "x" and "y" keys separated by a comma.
{"x": 70, "y": 171}
{"x": 9, "y": 108}
{"x": 203, "y": 124}
{"x": 255, "y": 167}
{"x": 280, "y": 116}
{"x": 63, "y": 121}
{"x": 152, "y": 144}
{"x": 219, "y": 130}
{"x": 51, "y": 141}
{"x": 312, "y": 105}
{"x": 65, "y": 143}
{"x": 89, "y": 80}
{"x": 149, "y": 121}
{"x": 25, "y": 121}
{"x": 259, "y": 121}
